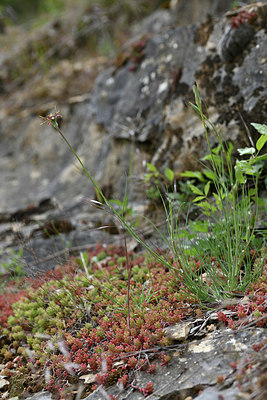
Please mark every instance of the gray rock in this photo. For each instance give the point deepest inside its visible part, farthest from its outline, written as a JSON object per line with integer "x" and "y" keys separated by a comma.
{"x": 41, "y": 396}
{"x": 154, "y": 23}
{"x": 193, "y": 368}
{"x": 253, "y": 69}
{"x": 179, "y": 331}
{"x": 134, "y": 115}
{"x": 191, "y": 11}
{"x": 214, "y": 393}
{"x": 235, "y": 40}
{"x": 148, "y": 88}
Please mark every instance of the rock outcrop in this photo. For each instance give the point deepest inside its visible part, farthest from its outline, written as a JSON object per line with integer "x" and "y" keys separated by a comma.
{"x": 194, "y": 370}
{"x": 138, "y": 111}
{"x": 204, "y": 369}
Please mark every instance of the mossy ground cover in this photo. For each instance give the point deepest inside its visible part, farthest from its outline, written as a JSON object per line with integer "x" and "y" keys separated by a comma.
{"x": 73, "y": 321}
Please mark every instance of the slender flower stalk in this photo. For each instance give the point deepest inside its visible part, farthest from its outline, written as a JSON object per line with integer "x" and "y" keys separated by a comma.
{"x": 51, "y": 119}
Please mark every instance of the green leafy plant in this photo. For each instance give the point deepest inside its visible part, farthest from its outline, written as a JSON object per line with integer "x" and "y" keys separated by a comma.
{"x": 52, "y": 6}
{"x": 165, "y": 182}
{"x": 227, "y": 182}
{"x": 125, "y": 210}
{"x": 153, "y": 172}
{"x": 233, "y": 212}
{"x": 156, "y": 179}
{"x": 14, "y": 266}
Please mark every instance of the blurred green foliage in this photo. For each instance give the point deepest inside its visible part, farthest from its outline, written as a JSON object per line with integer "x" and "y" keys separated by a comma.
{"x": 32, "y": 8}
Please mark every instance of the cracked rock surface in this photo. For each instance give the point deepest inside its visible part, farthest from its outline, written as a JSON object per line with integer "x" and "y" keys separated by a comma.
{"x": 137, "y": 111}
{"x": 195, "y": 367}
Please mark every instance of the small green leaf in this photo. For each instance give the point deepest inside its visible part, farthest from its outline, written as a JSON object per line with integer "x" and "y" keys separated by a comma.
{"x": 196, "y": 190}
{"x": 169, "y": 174}
{"x": 246, "y": 167}
{"x": 252, "y": 192}
{"x": 246, "y": 150}
{"x": 116, "y": 202}
{"x": 207, "y": 188}
{"x": 238, "y": 173}
{"x": 197, "y": 97}
{"x": 261, "y": 142}
{"x": 261, "y": 128}
{"x": 193, "y": 174}
{"x": 210, "y": 175}
{"x": 213, "y": 209}
{"x": 151, "y": 167}
{"x": 259, "y": 158}
{"x": 217, "y": 150}
{"x": 213, "y": 158}
{"x": 254, "y": 170}
{"x": 198, "y": 198}
{"x": 205, "y": 207}
{"x": 195, "y": 108}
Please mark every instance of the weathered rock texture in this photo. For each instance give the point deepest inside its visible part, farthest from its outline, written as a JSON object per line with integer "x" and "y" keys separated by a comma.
{"x": 155, "y": 111}
{"x": 195, "y": 367}
{"x": 137, "y": 111}
{"x": 194, "y": 370}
